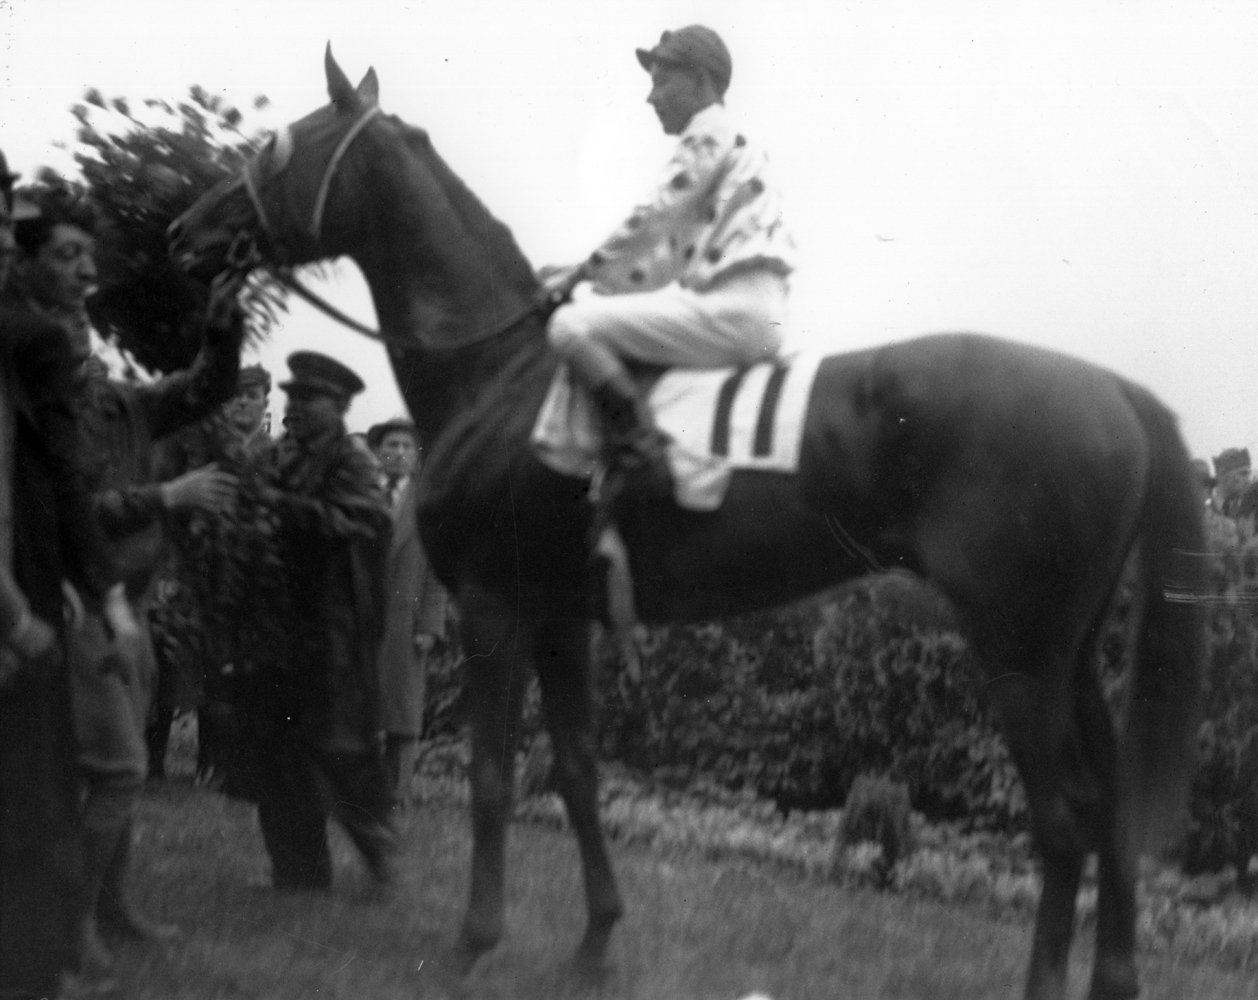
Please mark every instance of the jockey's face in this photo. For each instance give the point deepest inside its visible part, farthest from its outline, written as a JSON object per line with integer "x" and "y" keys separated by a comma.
{"x": 678, "y": 94}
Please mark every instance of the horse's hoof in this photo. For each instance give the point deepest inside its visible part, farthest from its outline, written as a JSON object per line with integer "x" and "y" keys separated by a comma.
{"x": 461, "y": 959}
{"x": 589, "y": 970}
{"x": 1114, "y": 981}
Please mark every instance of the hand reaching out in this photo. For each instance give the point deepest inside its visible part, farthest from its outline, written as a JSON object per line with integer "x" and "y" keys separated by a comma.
{"x": 208, "y": 488}
{"x": 221, "y": 313}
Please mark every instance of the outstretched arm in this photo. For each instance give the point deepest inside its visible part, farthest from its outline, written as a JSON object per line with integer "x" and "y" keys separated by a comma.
{"x": 186, "y": 396}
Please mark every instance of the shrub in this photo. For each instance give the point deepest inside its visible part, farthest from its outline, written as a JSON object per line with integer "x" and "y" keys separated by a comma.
{"x": 1223, "y": 811}
{"x": 908, "y": 703}
{"x": 877, "y": 810}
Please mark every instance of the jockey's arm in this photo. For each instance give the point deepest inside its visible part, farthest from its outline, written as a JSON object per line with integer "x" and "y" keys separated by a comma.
{"x": 674, "y": 207}
{"x": 689, "y": 179}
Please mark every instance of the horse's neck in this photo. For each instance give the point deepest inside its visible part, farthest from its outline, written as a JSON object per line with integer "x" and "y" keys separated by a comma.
{"x": 440, "y": 386}
{"x": 444, "y": 273}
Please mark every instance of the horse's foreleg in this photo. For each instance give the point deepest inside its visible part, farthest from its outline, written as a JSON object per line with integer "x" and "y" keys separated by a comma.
{"x": 1114, "y": 967}
{"x": 563, "y": 660}
{"x": 496, "y": 671}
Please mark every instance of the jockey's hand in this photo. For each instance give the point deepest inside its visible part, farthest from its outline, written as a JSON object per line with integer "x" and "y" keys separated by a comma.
{"x": 223, "y": 311}
{"x": 208, "y": 488}
{"x": 559, "y": 282}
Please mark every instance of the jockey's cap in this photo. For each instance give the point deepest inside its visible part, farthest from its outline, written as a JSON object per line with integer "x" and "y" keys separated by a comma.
{"x": 696, "y": 47}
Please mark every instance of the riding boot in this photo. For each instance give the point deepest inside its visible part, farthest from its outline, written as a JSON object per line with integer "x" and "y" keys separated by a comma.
{"x": 637, "y": 447}
{"x": 115, "y": 908}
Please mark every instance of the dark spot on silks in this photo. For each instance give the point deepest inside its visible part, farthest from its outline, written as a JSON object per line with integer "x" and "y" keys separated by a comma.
{"x": 672, "y": 243}
{"x": 634, "y": 222}
{"x": 681, "y": 181}
{"x": 690, "y": 252}
{"x": 756, "y": 185}
{"x": 714, "y": 255}
{"x": 711, "y": 213}
{"x": 637, "y": 276}
{"x": 596, "y": 259}
{"x": 740, "y": 140}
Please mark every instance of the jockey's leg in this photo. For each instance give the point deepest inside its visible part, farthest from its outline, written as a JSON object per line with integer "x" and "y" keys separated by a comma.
{"x": 738, "y": 322}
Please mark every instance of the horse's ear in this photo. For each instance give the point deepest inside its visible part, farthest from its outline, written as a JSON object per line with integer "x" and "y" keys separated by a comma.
{"x": 342, "y": 92}
{"x": 369, "y": 88}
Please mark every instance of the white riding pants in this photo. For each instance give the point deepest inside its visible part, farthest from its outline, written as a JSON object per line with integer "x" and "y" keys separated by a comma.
{"x": 737, "y": 322}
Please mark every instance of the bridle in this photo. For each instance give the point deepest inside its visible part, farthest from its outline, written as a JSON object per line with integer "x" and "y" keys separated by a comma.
{"x": 243, "y": 253}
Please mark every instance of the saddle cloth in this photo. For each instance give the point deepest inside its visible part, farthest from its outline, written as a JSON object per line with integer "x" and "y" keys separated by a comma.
{"x": 718, "y": 420}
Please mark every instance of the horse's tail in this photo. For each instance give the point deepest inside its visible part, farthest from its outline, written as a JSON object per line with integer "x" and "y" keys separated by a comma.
{"x": 1159, "y": 739}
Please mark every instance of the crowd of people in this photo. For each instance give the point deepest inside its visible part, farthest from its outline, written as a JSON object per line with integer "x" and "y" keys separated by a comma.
{"x": 100, "y": 479}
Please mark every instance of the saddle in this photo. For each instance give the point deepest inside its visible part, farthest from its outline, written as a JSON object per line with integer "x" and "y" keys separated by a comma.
{"x": 718, "y": 420}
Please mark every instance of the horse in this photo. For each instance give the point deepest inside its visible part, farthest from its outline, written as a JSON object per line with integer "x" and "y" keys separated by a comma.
{"x": 1019, "y": 482}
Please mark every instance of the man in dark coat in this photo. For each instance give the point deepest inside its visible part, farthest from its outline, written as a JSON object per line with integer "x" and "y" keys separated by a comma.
{"x": 321, "y": 707}
{"x": 120, "y": 421}
{"x": 46, "y": 532}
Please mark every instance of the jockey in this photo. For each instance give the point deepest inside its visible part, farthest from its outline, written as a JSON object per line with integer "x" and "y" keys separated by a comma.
{"x": 697, "y": 275}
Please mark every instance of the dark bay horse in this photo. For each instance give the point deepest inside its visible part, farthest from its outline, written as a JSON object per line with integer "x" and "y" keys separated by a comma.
{"x": 1018, "y": 481}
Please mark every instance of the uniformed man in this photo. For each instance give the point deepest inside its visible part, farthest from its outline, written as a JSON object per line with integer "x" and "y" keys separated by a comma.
{"x": 697, "y": 275}
{"x": 321, "y": 709}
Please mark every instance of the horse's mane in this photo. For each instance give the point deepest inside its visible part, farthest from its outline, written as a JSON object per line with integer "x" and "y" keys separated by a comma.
{"x": 508, "y": 259}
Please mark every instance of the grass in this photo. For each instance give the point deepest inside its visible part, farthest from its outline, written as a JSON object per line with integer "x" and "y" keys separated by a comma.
{"x": 695, "y": 929}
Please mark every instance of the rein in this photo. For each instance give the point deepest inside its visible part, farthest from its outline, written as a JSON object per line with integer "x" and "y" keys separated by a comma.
{"x": 243, "y": 254}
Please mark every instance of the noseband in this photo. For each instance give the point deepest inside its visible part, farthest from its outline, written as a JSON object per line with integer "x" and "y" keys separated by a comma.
{"x": 315, "y": 228}
{"x": 243, "y": 253}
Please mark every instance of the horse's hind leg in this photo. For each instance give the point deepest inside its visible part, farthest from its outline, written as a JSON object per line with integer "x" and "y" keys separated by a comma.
{"x": 1035, "y": 710}
{"x": 562, "y": 655}
{"x": 1114, "y": 966}
{"x": 496, "y": 671}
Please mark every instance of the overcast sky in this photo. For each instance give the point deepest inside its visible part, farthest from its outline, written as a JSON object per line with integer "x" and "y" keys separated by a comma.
{"x": 1078, "y": 175}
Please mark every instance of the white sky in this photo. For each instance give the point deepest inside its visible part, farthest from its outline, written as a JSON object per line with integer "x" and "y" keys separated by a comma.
{"x": 1078, "y": 175}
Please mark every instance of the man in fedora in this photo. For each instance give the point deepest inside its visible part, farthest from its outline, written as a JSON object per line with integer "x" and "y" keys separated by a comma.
{"x": 697, "y": 275}
{"x": 321, "y": 709}
{"x": 415, "y": 619}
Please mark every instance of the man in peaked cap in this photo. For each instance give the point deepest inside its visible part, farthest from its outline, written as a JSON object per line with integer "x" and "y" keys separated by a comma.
{"x": 697, "y": 274}
{"x": 320, "y": 716}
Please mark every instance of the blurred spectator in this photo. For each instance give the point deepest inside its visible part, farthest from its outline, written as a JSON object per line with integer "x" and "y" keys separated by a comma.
{"x": 111, "y": 692}
{"x": 1202, "y": 468}
{"x": 415, "y": 615}
{"x": 317, "y": 723}
{"x": 1233, "y": 494}
{"x": 46, "y": 534}
{"x": 234, "y": 439}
